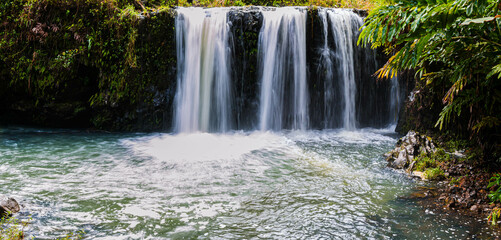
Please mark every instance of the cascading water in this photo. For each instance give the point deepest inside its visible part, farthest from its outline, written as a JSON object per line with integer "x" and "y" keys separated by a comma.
{"x": 350, "y": 97}
{"x": 325, "y": 66}
{"x": 292, "y": 89}
{"x": 282, "y": 70}
{"x": 395, "y": 100}
{"x": 203, "y": 98}
{"x": 344, "y": 26}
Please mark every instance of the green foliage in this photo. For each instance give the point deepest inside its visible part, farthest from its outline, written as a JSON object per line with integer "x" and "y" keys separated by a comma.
{"x": 434, "y": 174}
{"x": 84, "y": 50}
{"x": 494, "y": 216}
{"x": 455, "y": 48}
{"x": 360, "y": 4}
{"x": 51, "y": 39}
{"x": 432, "y": 160}
{"x": 424, "y": 162}
{"x": 11, "y": 228}
{"x": 495, "y": 196}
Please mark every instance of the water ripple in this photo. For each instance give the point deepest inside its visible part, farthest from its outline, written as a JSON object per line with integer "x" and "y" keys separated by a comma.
{"x": 243, "y": 185}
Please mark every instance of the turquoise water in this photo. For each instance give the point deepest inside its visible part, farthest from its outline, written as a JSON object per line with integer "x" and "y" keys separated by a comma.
{"x": 242, "y": 185}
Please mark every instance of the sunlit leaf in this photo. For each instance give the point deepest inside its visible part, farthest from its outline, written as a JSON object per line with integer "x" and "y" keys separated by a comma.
{"x": 480, "y": 20}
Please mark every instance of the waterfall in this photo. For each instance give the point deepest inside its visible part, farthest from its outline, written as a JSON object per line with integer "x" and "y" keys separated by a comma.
{"x": 395, "y": 102}
{"x": 339, "y": 59}
{"x": 203, "y": 98}
{"x": 325, "y": 67}
{"x": 277, "y": 68}
{"x": 282, "y": 70}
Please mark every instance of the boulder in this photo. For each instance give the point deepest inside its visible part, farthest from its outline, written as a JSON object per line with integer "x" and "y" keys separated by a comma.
{"x": 8, "y": 206}
{"x": 419, "y": 175}
{"x": 401, "y": 161}
{"x": 409, "y": 147}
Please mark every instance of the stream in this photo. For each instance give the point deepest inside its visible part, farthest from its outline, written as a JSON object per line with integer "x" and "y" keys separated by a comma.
{"x": 330, "y": 184}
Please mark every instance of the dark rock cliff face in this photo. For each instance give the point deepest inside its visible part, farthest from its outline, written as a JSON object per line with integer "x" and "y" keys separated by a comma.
{"x": 420, "y": 109}
{"x": 71, "y": 110}
{"x": 151, "y": 108}
{"x": 244, "y": 38}
{"x": 316, "y": 83}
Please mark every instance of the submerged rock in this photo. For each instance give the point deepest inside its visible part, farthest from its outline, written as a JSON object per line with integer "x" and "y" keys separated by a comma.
{"x": 8, "y": 206}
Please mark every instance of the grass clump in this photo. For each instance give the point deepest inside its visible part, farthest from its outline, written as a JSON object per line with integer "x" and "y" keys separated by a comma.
{"x": 434, "y": 174}
{"x": 494, "y": 216}
{"x": 495, "y": 181}
{"x": 431, "y": 160}
{"x": 430, "y": 164}
{"x": 425, "y": 162}
{"x": 495, "y": 196}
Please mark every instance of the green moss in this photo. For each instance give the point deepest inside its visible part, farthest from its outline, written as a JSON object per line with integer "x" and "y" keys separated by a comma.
{"x": 434, "y": 174}
{"x": 430, "y": 164}
{"x": 440, "y": 155}
{"x": 454, "y": 180}
{"x": 456, "y": 144}
{"x": 424, "y": 163}
{"x": 432, "y": 160}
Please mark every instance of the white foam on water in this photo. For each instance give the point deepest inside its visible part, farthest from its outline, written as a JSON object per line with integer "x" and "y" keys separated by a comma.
{"x": 200, "y": 147}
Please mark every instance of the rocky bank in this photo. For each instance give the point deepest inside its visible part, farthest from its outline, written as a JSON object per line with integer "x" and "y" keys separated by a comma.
{"x": 462, "y": 185}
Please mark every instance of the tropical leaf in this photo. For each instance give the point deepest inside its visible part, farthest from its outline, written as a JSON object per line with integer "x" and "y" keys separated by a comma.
{"x": 495, "y": 70}
{"x": 480, "y": 20}
{"x": 460, "y": 38}
{"x": 487, "y": 121}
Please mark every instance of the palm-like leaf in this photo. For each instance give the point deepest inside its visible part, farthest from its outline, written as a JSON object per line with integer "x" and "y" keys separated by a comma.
{"x": 463, "y": 37}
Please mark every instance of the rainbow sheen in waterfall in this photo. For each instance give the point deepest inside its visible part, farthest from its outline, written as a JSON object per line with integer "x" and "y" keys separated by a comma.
{"x": 239, "y": 185}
